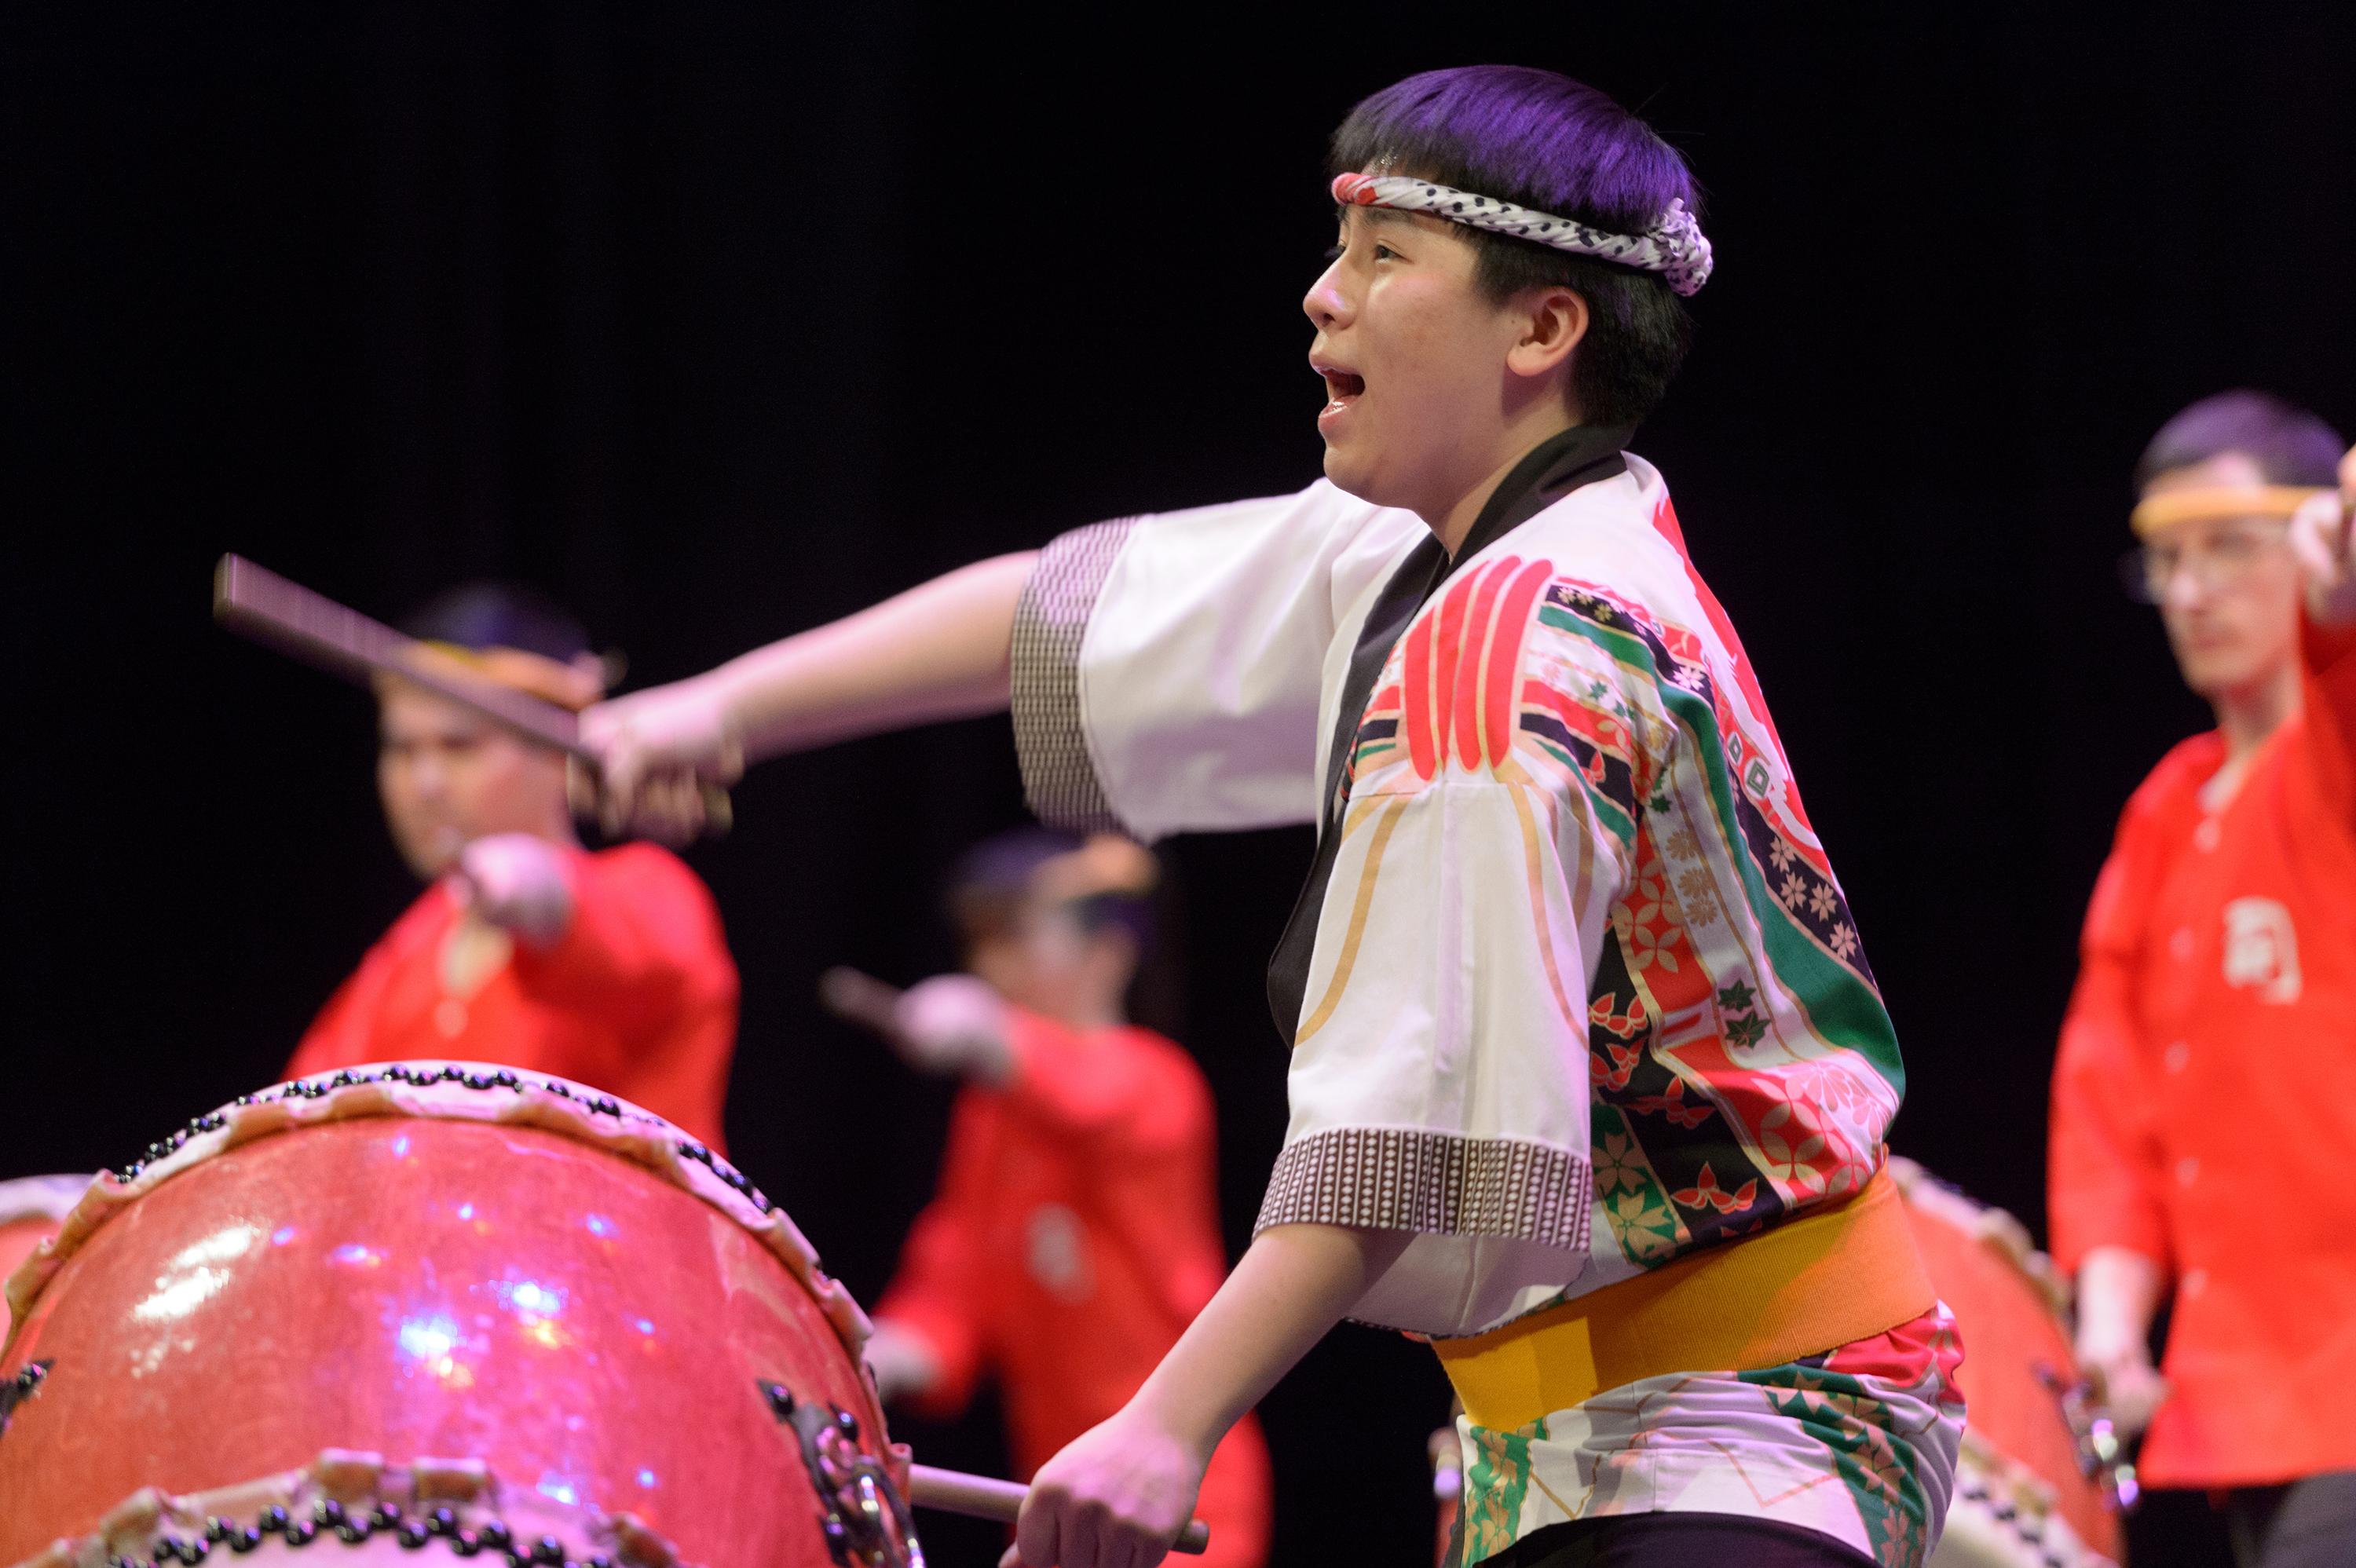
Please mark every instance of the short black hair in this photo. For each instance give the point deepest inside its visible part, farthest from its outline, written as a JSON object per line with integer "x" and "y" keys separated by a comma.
{"x": 500, "y": 615}
{"x": 1540, "y": 140}
{"x": 2291, "y": 445}
{"x": 993, "y": 880}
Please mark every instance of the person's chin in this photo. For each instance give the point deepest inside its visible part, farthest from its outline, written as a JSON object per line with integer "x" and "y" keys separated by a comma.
{"x": 2213, "y": 677}
{"x": 1347, "y": 467}
{"x": 432, "y": 860}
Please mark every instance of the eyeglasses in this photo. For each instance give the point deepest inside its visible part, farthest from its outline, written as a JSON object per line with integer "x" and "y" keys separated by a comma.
{"x": 2217, "y": 561}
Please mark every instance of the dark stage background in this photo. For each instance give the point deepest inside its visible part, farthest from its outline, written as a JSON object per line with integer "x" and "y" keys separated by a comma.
{"x": 720, "y": 320}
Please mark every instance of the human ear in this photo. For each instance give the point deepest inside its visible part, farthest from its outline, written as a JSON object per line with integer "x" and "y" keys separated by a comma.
{"x": 1553, "y": 322}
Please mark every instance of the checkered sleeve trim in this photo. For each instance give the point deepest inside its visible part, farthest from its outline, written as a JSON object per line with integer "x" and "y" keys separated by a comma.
{"x": 1404, "y": 1179}
{"x": 1059, "y": 777}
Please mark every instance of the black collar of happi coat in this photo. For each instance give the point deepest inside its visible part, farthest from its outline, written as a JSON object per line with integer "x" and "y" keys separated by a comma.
{"x": 1581, "y": 456}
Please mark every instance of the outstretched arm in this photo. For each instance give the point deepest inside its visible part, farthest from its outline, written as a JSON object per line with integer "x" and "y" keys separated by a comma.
{"x": 2323, "y": 534}
{"x": 938, "y": 651}
{"x": 1118, "y": 1495}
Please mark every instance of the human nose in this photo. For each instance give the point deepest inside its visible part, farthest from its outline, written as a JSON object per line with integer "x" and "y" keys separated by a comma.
{"x": 1325, "y": 303}
{"x": 427, "y": 774}
{"x": 2185, "y": 580}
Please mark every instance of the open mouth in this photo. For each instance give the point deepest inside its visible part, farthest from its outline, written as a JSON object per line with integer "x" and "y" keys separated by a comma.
{"x": 1340, "y": 385}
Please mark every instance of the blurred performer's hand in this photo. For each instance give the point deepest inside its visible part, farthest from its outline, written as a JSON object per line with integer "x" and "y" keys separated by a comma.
{"x": 658, "y": 750}
{"x": 903, "y": 1365}
{"x": 953, "y": 1025}
{"x": 2117, "y": 1292}
{"x": 2323, "y": 536}
{"x": 2131, "y": 1387}
{"x": 518, "y": 882}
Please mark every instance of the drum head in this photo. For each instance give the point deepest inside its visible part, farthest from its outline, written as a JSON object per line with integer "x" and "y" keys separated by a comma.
{"x": 590, "y": 1321}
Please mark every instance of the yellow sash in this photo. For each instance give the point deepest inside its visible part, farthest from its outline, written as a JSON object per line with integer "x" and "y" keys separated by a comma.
{"x": 1845, "y": 1272}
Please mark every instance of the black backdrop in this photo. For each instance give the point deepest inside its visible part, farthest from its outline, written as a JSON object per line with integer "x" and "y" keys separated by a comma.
{"x": 718, "y": 320}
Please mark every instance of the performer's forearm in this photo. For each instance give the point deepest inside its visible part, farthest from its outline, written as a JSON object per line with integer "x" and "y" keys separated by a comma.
{"x": 1292, "y": 1286}
{"x": 2119, "y": 1292}
{"x": 939, "y": 651}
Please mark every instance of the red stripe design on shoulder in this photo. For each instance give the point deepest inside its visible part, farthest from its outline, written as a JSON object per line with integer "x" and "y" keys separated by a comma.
{"x": 1415, "y": 699}
{"x": 1480, "y": 632}
{"x": 1511, "y": 627}
{"x": 1447, "y": 653}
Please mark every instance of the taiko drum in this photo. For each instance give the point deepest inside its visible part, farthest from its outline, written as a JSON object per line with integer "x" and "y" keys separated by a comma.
{"x": 2022, "y": 1499}
{"x": 438, "y": 1309}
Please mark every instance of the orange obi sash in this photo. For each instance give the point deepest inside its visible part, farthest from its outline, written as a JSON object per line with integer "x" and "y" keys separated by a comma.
{"x": 1847, "y": 1270}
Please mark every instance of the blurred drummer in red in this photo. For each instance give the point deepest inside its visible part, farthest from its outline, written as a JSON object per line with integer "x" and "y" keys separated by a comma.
{"x": 1075, "y": 1230}
{"x": 527, "y": 950}
{"x": 2204, "y": 1101}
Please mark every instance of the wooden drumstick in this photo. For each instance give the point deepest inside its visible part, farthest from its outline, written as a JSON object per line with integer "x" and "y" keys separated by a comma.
{"x": 257, "y": 603}
{"x": 862, "y": 999}
{"x": 981, "y": 1497}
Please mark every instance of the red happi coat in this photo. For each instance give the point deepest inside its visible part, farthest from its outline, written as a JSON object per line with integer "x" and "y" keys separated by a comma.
{"x": 638, "y": 997}
{"x": 2204, "y": 1099}
{"x": 1074, "y": 1236}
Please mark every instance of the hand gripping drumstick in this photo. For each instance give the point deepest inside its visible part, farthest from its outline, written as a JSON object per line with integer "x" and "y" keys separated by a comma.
{"x": 865, "y": 1000}
{"x": 980, "y": 1497}
{"x": 259, "y": 605}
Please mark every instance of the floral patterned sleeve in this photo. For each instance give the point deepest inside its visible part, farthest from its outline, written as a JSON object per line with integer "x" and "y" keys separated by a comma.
{"x": 1586, "y": 996}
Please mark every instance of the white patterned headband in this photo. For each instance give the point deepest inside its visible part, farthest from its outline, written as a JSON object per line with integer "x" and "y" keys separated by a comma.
{"x": 1672, "y": 247}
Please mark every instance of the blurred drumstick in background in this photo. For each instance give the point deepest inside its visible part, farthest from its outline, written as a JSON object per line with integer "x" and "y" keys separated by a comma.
{"x": 263, "y": 607}
{"x": 862, "y": 999}
{"x": 980, "y": 1497}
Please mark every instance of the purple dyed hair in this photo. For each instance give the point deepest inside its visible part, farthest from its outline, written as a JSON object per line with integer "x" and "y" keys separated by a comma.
{"x": 1541, "y": 140}
{"x": 2291, "y": 445}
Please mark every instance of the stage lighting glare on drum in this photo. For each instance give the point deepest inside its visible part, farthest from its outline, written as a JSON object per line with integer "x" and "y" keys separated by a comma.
{"x": 191, "y": 1278}
{"x": 228, "y": 1242}
{"x": 599, "y": 1225}
{"x": 646, "y": 1480}
{"x": 531, "y": 1298}
{"x": 177, "y": 1298}
{"x": 352, "y": 1254}
{"x": 559, "y": 1488}
{"x": 428, "y": 1339}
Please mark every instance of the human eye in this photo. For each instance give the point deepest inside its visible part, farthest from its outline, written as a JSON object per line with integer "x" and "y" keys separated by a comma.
{"x": 1385, "y": 253}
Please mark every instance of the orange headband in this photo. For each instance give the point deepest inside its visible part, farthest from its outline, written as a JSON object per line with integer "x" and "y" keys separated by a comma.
{"x": 572, "y": 686}
{"x": 2215, "y": 503}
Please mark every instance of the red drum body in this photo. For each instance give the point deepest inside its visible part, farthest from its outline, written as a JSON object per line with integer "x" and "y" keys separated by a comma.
{"x": 2021, "y": 1499}
{"x": 415, "y": 1315}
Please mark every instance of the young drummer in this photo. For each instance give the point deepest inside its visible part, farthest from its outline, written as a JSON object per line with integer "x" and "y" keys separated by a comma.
{"x": 1075, "y": 1232}
{"x": 2205, "y": 1091}
{"x": 525, "y": 949}
{"x": 1589, "y": 1076}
